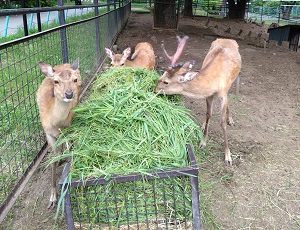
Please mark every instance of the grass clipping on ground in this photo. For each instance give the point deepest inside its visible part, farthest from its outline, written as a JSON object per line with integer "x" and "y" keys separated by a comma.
{"x": 124, "y": 127}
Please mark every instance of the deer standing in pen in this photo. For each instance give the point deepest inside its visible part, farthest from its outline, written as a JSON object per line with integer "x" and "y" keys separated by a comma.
{"x": 220, "y": 68}
{"x": 143, "y": 57}
{"x": 56, "y": 97}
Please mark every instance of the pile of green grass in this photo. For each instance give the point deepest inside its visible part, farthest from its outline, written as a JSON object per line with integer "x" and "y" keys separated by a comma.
{"x": 124, "y": 127}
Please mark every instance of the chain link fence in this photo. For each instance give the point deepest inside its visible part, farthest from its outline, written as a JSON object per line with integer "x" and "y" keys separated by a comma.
{"x": 22, "y": 139}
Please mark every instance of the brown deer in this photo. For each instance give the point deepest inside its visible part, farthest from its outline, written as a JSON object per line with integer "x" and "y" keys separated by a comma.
{"x": 220, "y": 68}
{"x": 143, "y": 57}
{"x": 56, "y": 97}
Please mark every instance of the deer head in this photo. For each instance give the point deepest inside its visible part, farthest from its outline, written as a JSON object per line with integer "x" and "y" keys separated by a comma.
{"x": 143, "y": 57}
{"x": 176, "y": 73}
{"x": 66, "y": 79}
{"x": 118, "y": 59}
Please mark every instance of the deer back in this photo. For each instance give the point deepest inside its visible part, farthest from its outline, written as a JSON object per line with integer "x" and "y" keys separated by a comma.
{"x": 224, "y": 58}
{"x": 57, "y": 95}
{"x": 143, "y": 56}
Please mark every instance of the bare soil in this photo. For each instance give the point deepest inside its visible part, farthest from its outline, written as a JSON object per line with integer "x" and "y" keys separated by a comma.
{"x": 261, "y": 190}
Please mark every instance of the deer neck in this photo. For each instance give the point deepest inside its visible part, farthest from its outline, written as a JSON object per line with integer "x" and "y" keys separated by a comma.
{"x": 61, "y": 111}
{"x": 138, "y": 59}
{"x": 201, "y": 86}
{"x": 129, "y": 63}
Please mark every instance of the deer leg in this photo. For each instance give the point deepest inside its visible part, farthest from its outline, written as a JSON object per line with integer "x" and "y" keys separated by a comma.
{"x": 229, "y": 117}
{"x": 237, "y": 85}
{"x": 224, "y": 109}
{"x": 53, "y": 195}
{"x": 209, "y": 108}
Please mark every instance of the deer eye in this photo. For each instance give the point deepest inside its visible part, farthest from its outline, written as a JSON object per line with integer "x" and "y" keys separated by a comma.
{"x": 165, "y": 82}
{"x": 56, "y": 82}
{"x": 75, "y": 80}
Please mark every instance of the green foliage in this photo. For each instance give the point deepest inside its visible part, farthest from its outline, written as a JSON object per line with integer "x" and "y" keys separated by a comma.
{"x": 43, "y": 3}
{"x": 272, "y": 4}
{"x": 124, "y": 127}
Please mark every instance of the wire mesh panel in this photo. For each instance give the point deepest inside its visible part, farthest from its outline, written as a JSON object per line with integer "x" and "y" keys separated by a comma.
{"x": 21, "y": 135}
{"x": 159, "y": 200}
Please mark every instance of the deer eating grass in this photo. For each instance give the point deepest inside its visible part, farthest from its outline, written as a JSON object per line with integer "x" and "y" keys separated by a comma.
{"x": 220, "y": 68}
{"x": 56, "y": 97}
{"x": 143, "y": 57}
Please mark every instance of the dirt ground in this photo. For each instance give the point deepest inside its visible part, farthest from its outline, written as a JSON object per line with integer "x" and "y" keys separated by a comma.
{"x": 261, "y": 190}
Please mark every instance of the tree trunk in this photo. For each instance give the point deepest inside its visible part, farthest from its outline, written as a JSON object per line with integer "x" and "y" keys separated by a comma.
{"x": 77, "y": 2}
{"x": 237, "y": 9}
{"x": 188, "y": 8}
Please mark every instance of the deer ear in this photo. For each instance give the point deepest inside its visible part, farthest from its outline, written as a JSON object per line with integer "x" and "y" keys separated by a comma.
{"x": 46, "y": 69}
{"x": 109, "y": 53}
{"x": 75, "y": 64}
{"x": 187, "y": 77}
{"x": 127, "y": 52}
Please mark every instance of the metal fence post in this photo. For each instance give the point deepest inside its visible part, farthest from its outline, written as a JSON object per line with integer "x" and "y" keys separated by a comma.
{"x": 63, "y": 33}
{"x": 6, "y": 26}
{"x": 195, "y": 192}
{"x": 68, "y": 211}
{"x": 38, "y": 16}
{"x": 97, "y": 24}
{"x": 24, "y": 19}
{"x": 109, "y": 18}
{"x": 195, "y": 202}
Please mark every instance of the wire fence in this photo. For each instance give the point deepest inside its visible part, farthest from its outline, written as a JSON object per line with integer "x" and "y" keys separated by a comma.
{"x": 22, "y": 139}
{"x": 11, "y": 24}
{"x": 262, "y": 13}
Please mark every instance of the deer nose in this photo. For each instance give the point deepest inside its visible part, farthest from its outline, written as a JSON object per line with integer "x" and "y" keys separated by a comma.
{"x": 69, "y": 94}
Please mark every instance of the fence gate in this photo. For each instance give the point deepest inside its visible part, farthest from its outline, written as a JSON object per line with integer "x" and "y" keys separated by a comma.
{"x": 166, "y": 14}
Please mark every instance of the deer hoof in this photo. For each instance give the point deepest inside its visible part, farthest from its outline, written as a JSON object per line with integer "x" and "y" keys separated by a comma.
{"x": 202, "y": 144}
{"x": 228, "y": 162}
{"x": 52, "y": 204}
{"x": 53, "y": 199}
{"x": 230, "y": 121}
{"x": 228, "y": 159}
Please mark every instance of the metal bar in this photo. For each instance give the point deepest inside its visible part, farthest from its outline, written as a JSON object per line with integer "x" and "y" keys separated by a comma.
{"x": 47, "y": 20}
{"x": 195, "y": 195}
{"x": 97, "y": 24}
{"x": 195, "y": 203}
{"x": 25, "y": 25}
{"x": 24, "y": 19}
{"x": 6, "y": 12}
{"x": 38, "y": 16}
{"x": 191, "y": 171}
{"x": 187, "y": 171}
{"x": 68, "y": 211}
{"x": 63, "y": 34}
{"x": 30, "y": 21}
{"x": 6, "y": 26}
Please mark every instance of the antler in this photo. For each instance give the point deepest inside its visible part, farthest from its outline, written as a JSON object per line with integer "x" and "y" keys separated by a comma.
{"x": 181, "y": 44}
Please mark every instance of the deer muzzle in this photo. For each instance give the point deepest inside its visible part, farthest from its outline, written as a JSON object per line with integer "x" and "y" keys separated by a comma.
{"x": 69, "y": 94}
